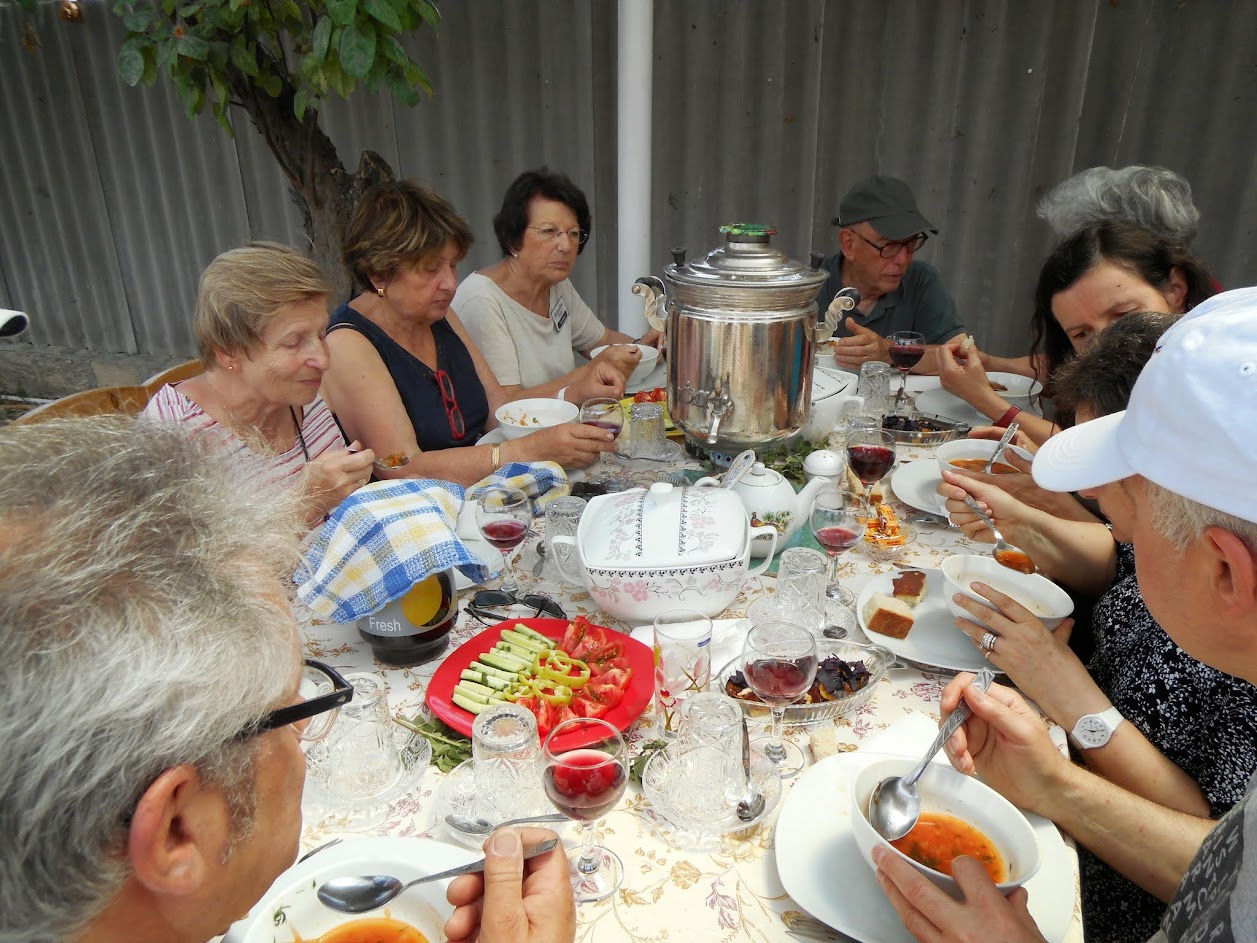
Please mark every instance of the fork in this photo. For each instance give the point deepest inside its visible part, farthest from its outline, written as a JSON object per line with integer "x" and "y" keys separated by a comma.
{"x": 809, "y": 928}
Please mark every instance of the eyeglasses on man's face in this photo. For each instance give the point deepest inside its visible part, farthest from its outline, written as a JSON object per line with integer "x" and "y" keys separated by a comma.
{"x": 889, "y": 250}
{"x": 553, "y": 233}
{"x": 483, "y": 602}
{"x": 323, "y": 691}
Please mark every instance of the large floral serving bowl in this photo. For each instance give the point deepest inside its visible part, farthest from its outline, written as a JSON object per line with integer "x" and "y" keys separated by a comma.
{"x": 642, "y": 551}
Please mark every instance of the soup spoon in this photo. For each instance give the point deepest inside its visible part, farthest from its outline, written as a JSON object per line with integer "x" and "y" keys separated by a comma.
{"x": 1000, "y": 446}
{"x": 479, "y": 826}
{"x": 895, "y": 804}
{"x": 369, "y": 892}
{"x": 1004, "y": 553}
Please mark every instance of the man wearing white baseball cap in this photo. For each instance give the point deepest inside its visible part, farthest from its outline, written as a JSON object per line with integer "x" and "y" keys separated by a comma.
{"x": 1183, "y": 460}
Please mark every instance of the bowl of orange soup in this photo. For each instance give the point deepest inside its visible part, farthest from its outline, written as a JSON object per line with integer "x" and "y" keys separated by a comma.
{"x": 959, "y": 816}
{"x": 290, "y": 912}
{"x": 973, "y": 454}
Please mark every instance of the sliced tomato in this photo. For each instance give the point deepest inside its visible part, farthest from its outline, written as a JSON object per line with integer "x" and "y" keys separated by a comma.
{"x": 576, "y": 632}
{"x": 587, "y": 707}
{"x": 645, "y": 396}
{"x": 564, "y": 713}
{"x": 594, "y": 640}
{"x": 616, "y": 677}
{"x": 546, "y": 713}
{"x": 607, "y": 656}
{"x": 607, "y": 695}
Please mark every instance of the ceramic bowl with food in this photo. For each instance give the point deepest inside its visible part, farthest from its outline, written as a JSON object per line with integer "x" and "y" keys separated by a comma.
{"x": 973, "y": 454}
{"x": 650, "y": 357}
{"x": 1037, "y": 593}
{"x": 1019, "y": 391}
{"x": 874, "y": 659}
{"x": 953, "y": 807}
{"x": 523, "y": 416}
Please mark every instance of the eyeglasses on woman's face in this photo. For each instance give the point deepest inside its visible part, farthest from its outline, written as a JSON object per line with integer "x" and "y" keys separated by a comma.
{"x": 554, "y": 234}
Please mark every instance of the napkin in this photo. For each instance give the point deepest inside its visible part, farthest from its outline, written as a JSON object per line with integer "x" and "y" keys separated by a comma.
{"x": 389, "y": 535}
{"x": 727, "y": 638}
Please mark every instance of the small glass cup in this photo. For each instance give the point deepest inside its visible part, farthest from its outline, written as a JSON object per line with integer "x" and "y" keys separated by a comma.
{"x": 875, "y": 388}
{"x": 800, "y": 590}
{"x": 682, "y": 662}
{"x": 646, "y": 436}
{"x": 362, "y": 757}
{"x": 562, "y": 520}
{"x": 507, "y": 762}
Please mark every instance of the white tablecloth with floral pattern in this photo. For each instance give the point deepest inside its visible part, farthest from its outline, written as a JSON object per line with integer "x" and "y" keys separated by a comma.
{"x": 724, "y": 889}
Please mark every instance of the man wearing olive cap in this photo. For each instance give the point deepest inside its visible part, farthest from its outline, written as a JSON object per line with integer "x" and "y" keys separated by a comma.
{"x": 880, "y": 228}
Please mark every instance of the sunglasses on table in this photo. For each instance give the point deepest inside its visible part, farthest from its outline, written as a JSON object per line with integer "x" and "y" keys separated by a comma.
{"x": 485, "y": 601}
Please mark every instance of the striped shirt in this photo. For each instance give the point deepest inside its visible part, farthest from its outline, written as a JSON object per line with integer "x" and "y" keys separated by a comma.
{"x": 318, "y": 429}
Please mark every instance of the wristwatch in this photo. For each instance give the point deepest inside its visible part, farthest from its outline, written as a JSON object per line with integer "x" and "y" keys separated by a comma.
{"x": 1094, "y": 730}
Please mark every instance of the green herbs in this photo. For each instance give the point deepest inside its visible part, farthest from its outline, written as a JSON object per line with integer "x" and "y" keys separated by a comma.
{"x": 449, "y": 748}
{"x": 638, "y": 766}
{"x": 789, "y": 459}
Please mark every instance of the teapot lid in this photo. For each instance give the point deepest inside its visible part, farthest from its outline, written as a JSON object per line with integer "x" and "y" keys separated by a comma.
{"x": 663, "y": 527}
{"x": 748, "y": 260}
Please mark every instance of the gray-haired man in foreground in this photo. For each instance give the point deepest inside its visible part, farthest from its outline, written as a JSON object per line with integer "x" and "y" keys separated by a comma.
{"x": 150, "y": 714}
{"x": 1182, "y": 459}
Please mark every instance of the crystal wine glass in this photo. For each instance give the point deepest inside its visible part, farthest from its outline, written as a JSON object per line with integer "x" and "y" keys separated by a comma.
{"x": 504, "y": 516}
{"x": 837, "y": 522}
{"x": 870, "y": 455}
{"x": 779, "y": 662}
{"x": 906, "y": 350}
{"x": 606, "y": 413}
{"x": 585, "y": 783}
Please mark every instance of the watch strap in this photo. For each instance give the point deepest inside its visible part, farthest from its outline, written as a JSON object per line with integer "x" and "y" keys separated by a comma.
{"x": 1111, "y": 719}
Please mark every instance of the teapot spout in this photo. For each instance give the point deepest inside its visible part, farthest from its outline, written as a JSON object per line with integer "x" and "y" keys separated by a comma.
{"x": 803, "y": 503}
{"x": 650, "y": 287}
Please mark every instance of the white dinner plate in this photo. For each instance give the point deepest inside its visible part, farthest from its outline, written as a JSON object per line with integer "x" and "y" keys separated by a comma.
{"x": 934, "y": 640}
{"x": 914, "y": 484}
{"x": 423, "y": 907}
{"x": 824, "y": 873}
{"x": 938, "y": 402}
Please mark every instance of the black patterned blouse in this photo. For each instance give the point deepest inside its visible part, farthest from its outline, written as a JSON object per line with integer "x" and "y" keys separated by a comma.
{"x": 1202, "y": 719}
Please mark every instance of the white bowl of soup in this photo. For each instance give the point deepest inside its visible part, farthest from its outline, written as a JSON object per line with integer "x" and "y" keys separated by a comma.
{"x": 973, "y": 454}
{"x": 523, "y": 416}
{"x": 650, "y": 356}
{"x": 958, "y": 814}
{"x": 1037, "y": 593}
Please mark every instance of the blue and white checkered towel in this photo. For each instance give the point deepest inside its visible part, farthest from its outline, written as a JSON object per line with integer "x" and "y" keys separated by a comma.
{"x": 387, "y": 536}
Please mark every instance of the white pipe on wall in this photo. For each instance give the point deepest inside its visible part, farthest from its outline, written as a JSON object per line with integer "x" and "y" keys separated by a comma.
{"x": 633, "y": 141}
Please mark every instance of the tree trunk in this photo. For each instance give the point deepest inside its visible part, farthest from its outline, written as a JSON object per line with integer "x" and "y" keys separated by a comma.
{"x": 319, "y": 185}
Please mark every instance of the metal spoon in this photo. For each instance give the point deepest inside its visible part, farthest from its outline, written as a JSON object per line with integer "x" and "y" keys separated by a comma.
{"x": 895, "y": 804}
{"x": 371, "y": 891}
{"x": 479, "y": 826}
{"x": 751, "y": 805}
{"x": 541, "y": 558}
{"x": 1004, "y": 553}
{"x": 1000, "y": 446}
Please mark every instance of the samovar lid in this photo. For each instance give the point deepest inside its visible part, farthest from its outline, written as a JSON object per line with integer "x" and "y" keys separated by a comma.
{"x": 747, "y": 260}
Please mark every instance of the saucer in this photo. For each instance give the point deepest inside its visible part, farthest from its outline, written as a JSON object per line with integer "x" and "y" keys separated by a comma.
{"x": 415, "y": 752}
{"x": 457, "y": 796}
{"x": 659, "y": 786}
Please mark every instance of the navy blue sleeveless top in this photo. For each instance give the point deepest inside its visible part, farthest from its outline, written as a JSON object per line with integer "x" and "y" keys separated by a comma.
{"x": 417, "y": 383}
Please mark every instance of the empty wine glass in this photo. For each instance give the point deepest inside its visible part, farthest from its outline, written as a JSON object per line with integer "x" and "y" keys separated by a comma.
{"x": 837, "y": 522}
{"x": 604, "y": 412}
{"x": 779, "y": 663}
{"x": 906, "y": 350}
{"x": 870, "y": 455}
{"x": 585, "y": 783}
{"x": 504, "y": 516}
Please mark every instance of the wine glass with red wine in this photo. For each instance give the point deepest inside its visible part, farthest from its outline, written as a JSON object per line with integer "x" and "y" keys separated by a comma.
{"x": 906, "y": 350}
{"x": 584, "y": 784}
{"x": 605, "y": 413}
{"x": 870, "y": 455}
{"x": 779, "y": 663}
{"x": 837, "y": 522}
{"x": 504, "y": 516}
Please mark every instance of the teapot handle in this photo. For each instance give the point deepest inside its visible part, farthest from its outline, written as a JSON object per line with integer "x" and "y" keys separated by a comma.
{"x": 651, "y": 289}
{"x": 771, "y": 532}
{"x": 844, "y": 301}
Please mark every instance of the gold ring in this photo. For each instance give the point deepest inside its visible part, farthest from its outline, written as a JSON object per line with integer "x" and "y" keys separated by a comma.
{"x": 362, "y": 481}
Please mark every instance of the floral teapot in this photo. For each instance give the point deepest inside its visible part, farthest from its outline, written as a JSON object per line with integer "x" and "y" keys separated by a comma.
{"x": 770, "y": 500}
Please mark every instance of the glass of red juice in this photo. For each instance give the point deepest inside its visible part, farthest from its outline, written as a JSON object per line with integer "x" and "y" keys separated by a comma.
{"x": 779, "y": 663}
{"x": 504, "y": 516}
{"x": 837, "y": 522}
{"x": 906, "y": 350}
{"x": 607, "y": 414}
{"x": 870, "y": 455}
{"x": 586, "y": 773}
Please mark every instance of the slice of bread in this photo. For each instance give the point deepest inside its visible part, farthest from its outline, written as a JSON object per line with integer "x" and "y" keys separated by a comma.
{"x": 909, "y": 586}
{"x": 887, "y": 615}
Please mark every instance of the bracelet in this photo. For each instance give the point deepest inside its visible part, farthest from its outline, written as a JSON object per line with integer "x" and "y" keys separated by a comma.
{"x": 559, "y": 395}
{"x": 495, "y": 456}
{"x": 1008, "y": 417}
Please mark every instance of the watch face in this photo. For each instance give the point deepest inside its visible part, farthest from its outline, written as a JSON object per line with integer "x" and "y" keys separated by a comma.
{"x": 1092, "y": 731}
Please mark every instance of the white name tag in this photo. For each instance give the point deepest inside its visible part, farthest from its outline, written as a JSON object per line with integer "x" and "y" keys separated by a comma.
{"x": 558, "y": 316}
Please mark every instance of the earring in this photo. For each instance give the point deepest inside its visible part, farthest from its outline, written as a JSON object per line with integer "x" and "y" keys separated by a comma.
{"x": 380, "y": 291}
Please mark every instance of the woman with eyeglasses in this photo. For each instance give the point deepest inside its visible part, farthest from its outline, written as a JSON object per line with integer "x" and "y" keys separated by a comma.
{"x": 523, "y": 312}
{"x": 406, "y": 378}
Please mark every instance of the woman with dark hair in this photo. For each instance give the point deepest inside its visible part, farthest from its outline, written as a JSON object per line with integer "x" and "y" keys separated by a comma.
{"x": 1088, "y": 282}
{"x": 523, "y": 312}
{"x": 405, "y": 378}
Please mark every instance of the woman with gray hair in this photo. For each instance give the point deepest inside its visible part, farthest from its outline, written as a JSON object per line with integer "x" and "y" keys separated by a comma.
{"x": 260, "y": 323}
{"x": 1151, "y": 198}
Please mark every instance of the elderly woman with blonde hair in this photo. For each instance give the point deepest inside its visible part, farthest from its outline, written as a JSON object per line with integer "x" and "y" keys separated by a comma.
{"x": 260, "y": 323}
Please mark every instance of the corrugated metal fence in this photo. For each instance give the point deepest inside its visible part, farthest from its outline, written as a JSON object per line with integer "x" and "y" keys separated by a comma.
{"x": 111, "y": 201}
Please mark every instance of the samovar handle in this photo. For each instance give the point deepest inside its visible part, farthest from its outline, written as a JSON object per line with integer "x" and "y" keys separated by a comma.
{"x": 844, "y": 301}
{"x": 654, "y": 294}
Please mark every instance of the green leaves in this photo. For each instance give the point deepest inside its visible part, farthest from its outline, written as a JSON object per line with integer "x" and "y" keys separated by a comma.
{"x": 448, "y": 747}
{"x": 342, "y": 12}
{"x": 131, "y": 66}
{"x": 383, "y": 11}
{"x": 357, "y": 49}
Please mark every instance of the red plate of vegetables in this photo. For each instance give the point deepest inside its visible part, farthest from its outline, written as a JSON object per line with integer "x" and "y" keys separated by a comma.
{"x": 590, "y": 671}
